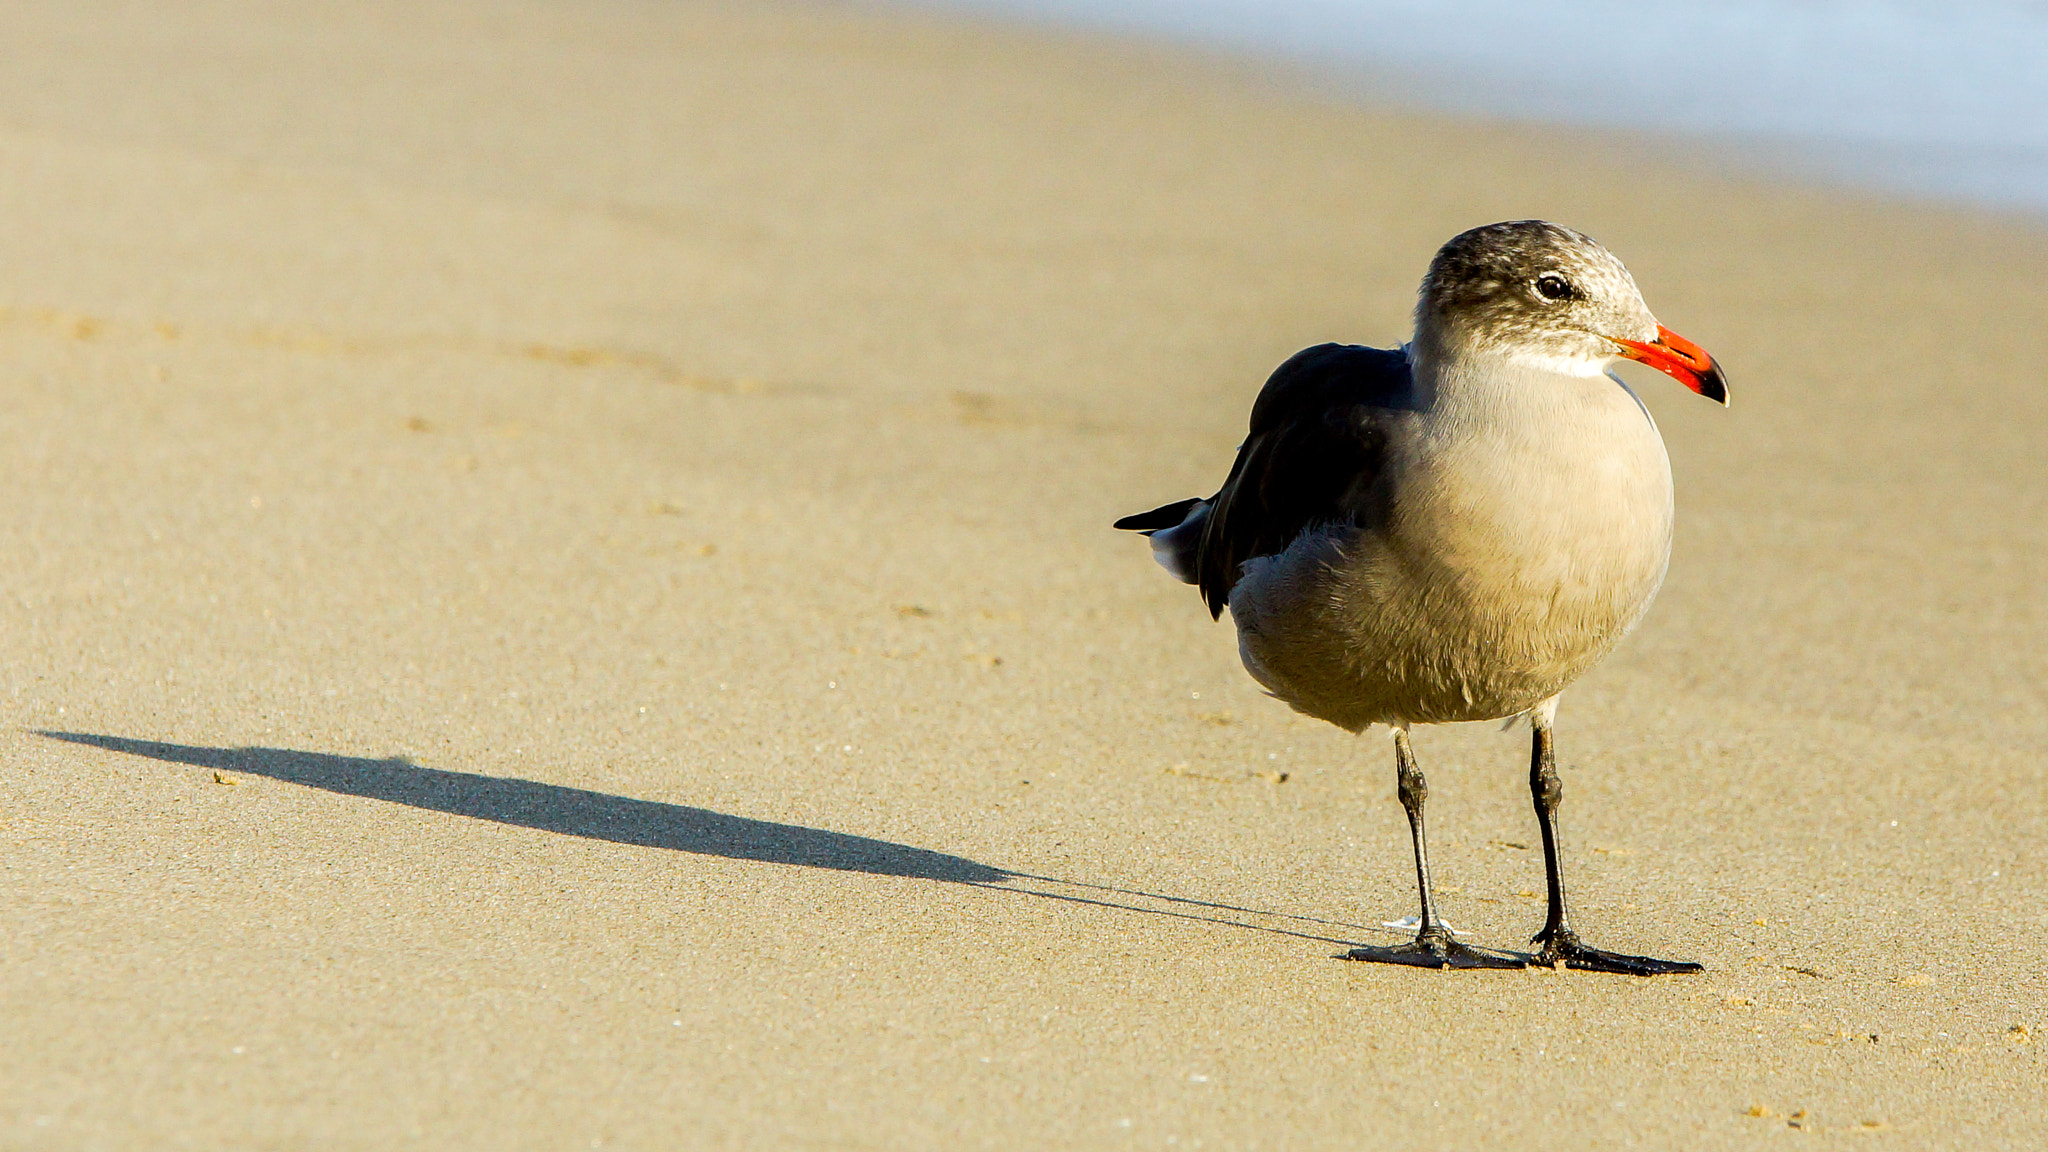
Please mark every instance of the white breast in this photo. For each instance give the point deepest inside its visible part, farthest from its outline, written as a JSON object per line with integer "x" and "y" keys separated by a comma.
{"x": 1559, "y": 496}
{"x": 1528, "y": 536}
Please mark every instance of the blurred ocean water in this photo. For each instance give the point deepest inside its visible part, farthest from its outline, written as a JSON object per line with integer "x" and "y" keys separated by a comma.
{"x": 1931, "y": 98}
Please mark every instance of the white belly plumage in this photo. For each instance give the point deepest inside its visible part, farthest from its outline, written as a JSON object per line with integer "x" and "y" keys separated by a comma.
{"x": 1507, "y": 596}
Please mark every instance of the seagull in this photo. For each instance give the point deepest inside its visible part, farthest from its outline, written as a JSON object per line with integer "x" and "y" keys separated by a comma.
{"x": 1453, "y": 530}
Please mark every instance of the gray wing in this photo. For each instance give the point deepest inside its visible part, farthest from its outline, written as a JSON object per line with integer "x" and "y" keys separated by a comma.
{"x": 1315, "y": 456}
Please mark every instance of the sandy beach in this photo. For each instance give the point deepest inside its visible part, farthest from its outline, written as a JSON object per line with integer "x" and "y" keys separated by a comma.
{"x": 560, "y": 595}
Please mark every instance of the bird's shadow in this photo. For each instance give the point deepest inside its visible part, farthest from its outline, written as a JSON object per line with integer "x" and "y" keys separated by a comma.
{"x": 569, "y": 811}
{"x": 675, "y": 827}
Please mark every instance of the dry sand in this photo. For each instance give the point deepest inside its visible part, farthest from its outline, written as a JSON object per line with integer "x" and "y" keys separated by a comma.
{"x": 570, "y": 541}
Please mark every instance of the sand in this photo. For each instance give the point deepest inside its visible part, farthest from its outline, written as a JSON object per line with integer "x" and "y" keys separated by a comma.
{"x": 559, "y": 594}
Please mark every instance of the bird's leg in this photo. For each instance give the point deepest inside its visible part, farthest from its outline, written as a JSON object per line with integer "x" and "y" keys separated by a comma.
{"x": 1561, "y": 945}
{"x": 1414, "y": 792}
{"x": 1434, "y": 946}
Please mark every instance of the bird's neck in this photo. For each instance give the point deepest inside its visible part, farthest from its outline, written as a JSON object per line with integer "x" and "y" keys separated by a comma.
{"x": 1463, "y": 381}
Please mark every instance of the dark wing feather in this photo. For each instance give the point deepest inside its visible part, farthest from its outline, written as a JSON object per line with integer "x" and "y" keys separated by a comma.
{"x": 1165, "y": 516}
{"x": 1315, "y": 456}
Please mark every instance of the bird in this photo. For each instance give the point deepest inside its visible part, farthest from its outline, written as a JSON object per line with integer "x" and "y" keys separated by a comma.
{"x": 1453, "y": 530}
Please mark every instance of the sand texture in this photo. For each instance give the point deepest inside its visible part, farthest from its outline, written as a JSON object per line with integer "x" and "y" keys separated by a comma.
{"x": 559, "y": 595}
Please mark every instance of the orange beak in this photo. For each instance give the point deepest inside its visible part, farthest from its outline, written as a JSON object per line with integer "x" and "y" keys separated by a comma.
{"x": 1682, "y": 360}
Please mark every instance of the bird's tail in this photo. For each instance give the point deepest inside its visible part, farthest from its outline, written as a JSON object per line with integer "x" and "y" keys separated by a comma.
{"x": 1175, "y": 531}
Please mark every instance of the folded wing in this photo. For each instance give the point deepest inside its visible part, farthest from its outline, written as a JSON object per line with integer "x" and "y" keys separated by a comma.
{"x": 1315, "y": 457}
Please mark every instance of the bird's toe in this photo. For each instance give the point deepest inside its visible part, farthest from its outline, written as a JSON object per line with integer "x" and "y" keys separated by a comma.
{"x": 1435, "y": 948}
{"x": 1568, "y": 952}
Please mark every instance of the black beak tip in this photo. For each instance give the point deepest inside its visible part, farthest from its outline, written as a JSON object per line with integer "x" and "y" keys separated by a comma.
{"x": 1714, "y": 386}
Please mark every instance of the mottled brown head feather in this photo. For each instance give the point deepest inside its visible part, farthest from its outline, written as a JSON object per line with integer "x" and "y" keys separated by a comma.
{"x": 1532, "y": 287}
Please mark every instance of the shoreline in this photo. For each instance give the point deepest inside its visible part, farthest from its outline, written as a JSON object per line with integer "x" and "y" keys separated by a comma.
{"x": 1879, "y": 154}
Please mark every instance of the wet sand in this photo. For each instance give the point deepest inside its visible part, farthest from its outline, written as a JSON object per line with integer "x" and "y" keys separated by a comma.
{"x": 561, "y": 596}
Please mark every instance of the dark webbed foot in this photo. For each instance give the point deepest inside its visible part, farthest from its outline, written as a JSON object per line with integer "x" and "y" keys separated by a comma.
{"x": 1436, "y": 948}
{"x": 1564, "y": 948}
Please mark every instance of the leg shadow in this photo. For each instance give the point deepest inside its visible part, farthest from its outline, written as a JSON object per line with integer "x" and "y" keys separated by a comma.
{"x": 676, "y": 827}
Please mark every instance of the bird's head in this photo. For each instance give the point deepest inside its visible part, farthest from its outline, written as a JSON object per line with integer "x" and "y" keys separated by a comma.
{"x": 1544, "y": 295}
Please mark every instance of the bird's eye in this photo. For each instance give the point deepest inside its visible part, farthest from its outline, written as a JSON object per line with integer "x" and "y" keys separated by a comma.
{"x": 1553, "y": 287}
